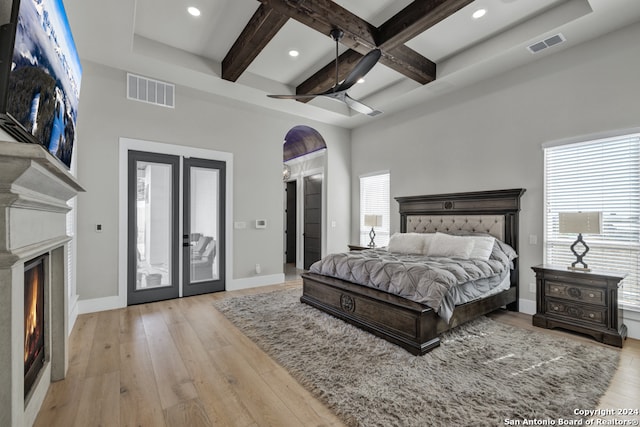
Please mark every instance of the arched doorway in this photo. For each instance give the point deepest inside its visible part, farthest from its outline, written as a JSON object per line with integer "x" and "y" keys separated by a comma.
{"x": 304, "y": 159}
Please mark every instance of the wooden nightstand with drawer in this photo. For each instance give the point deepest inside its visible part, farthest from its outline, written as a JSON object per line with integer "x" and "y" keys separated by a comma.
{"x": 585, "y": 302}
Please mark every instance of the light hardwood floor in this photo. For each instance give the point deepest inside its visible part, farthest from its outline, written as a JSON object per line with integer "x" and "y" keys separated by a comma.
{"x": 181, "y": 363}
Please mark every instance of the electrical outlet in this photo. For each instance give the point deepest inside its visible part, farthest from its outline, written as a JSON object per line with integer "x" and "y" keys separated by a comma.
{"x": 258, "y": 269}
{"x": 532, "y": 287}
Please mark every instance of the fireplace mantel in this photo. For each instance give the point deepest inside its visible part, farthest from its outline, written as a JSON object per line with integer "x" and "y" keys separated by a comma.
{"x": 34, "y": 190}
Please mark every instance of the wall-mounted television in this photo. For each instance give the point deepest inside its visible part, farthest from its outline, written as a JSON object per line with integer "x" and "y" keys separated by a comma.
{"x": 40, "y": 75}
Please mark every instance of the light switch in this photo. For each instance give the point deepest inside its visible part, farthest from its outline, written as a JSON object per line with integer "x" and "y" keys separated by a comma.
{"x": 533, "y": 239}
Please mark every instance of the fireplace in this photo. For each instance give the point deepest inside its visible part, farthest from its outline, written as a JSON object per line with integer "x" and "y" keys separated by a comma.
{"x": 34, "y": 338}
{"x": 34, "y": 291}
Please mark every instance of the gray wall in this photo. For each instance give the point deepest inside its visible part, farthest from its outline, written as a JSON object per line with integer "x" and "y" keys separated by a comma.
{"x": 199, "y": 120}
{"x": 489, "y": 135}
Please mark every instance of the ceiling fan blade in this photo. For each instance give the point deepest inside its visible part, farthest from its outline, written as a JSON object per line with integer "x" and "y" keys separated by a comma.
{"x": 358, "y": 106}
{"x": 360, "y": 70}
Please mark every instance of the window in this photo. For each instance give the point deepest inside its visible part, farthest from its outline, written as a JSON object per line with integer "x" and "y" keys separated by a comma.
{"x": 601, "y": 175}
{"x": 374, "y": 200}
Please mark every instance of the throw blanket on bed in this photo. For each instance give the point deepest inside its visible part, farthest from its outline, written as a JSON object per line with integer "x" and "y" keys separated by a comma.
{"x": 419, "y": 278}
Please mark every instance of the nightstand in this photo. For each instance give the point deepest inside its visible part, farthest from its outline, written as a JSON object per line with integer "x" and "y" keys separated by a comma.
{"x": 585, "y": 302}
{"x": 358, "y": 247}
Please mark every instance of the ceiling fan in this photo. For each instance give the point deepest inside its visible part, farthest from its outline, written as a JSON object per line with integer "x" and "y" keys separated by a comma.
{"x": 339, "y": 90}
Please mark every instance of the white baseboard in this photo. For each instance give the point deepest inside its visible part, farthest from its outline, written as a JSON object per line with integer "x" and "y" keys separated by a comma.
{"x": 527, "y": 306}
{"x": 100, "y": 304}
{"x": 73, "y": 312}
{"x": 632, "y": 320}
{"x": 115, "y": 302}
{"x": 254, "y": 282}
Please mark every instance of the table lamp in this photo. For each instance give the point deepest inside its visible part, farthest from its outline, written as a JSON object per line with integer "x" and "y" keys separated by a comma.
{"x": 372, "y": 221}
{"x": 580, "y": 222}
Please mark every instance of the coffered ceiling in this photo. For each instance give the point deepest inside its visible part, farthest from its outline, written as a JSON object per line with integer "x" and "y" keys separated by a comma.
{"x": 239, "y": 49}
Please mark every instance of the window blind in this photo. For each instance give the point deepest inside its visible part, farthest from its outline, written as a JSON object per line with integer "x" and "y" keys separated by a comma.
{"x": 601, "y": 175}
{"x": 374, "y": 200}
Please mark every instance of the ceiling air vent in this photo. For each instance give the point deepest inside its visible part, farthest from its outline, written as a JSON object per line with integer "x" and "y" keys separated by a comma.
{"x": 150, "y": 91}
{"x": 543, "y": 44}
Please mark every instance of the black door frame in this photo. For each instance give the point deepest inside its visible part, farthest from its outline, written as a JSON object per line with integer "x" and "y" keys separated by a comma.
{"x": 139, "y": 296}
{"x": 188, "y": 288}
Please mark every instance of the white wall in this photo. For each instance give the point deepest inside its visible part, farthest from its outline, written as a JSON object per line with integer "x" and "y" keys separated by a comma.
{"x": 254, "y": 137}
{"x": 489, "y": 135}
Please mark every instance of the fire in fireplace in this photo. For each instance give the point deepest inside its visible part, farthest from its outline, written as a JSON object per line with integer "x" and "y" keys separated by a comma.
{"x": 34, "y": 279}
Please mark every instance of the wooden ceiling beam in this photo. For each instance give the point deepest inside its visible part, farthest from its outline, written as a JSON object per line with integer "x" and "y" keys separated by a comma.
{"x": 261, "y": 28}
{"x": 414, "y": 19}
{"x": 325, "y": 15}
{"x": 359, "y": 36}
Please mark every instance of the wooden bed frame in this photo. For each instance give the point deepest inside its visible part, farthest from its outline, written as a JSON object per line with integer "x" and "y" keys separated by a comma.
{"x": 411, "y": 325}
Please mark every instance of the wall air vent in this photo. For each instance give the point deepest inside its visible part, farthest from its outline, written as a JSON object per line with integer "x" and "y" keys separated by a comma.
{"x": 150, "y": 91}
{"x": 543, "y": 44}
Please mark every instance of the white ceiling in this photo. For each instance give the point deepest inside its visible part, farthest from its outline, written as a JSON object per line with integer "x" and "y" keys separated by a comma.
{"x": 159, "y": 39}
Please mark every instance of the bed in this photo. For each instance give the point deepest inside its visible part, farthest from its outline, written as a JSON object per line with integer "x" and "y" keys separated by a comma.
{"x": 412, "y": 325}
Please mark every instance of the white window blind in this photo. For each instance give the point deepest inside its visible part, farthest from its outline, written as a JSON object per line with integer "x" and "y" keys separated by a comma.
{"x": 601, "y": 175}
{"x": 374, "y": 200}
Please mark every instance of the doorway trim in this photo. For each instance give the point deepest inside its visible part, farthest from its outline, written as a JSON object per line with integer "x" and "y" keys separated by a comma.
{"x": 127, "y": 144}
{"x": 298, "y": 177}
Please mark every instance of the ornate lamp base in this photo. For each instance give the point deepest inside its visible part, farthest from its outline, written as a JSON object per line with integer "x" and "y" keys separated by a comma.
{"x": 372, "y": 235}
{"x": 579, "y": 257}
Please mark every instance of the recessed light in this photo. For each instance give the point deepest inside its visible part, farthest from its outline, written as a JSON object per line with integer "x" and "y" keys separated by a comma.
{"x": 479, "y": 13}
{"x": 360, "y": 80}
{"x": 293, "y": 53}
{"x": 193, "y": 11}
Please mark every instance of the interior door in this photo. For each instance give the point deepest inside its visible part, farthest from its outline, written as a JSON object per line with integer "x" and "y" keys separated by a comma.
{"x": 291, "y": 231}
{"x": 203, "y": 237}
{"x": 153, "y": 191}
{"x": 312, "y": 219}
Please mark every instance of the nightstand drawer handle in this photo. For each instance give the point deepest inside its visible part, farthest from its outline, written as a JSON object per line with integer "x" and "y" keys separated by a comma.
{"x": 556, "y": 308}
{"x": 591, "y": 295}
{"x": 591, "y": 315}
{"x": 574, "y": 292}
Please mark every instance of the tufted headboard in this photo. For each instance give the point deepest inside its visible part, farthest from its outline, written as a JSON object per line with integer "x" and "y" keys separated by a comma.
{"x": 490, "y": 224}
{"x": 494, "y": 212}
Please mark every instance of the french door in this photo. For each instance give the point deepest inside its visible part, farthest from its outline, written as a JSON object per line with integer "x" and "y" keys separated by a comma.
{"x": 156, "y": 251}
{"x": 203, "y": 226}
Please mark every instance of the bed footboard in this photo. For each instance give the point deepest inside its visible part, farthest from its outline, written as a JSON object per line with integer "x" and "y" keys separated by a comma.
{"x": 412, "y": 326}
{"x": 400, "y": 321}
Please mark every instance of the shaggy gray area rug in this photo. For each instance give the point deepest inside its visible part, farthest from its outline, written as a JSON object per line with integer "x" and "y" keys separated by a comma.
{"x": 483, "y": 374}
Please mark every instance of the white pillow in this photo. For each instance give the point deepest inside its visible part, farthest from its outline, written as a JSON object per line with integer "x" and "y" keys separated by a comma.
{"x": 428, "y": 238}
{"x": 482, "y": 247}
{"x": 446, "y": 245}
{"x": 406, "y": 243}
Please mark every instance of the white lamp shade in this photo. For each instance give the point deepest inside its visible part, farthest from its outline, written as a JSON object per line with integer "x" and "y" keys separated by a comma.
{"x": 580, "y": 222}
{"x": 373, "y": 220}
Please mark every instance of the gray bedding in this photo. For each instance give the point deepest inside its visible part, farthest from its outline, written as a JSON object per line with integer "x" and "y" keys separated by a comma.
{"x": 427, "y": 280}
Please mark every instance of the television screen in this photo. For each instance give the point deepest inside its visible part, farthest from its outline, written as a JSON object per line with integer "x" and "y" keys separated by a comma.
{"x": 44, "y": 82}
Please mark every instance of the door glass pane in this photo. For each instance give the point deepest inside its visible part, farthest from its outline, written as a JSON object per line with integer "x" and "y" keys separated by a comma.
{"x": 204, "y": 205}
{"x": 154, "y": 225}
